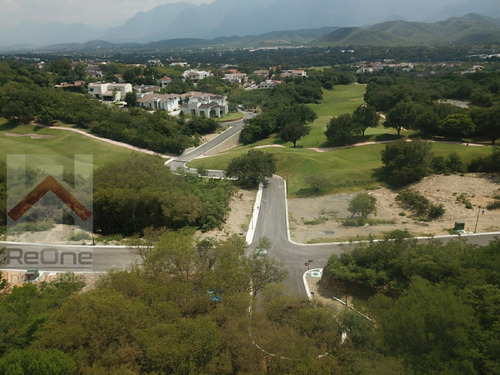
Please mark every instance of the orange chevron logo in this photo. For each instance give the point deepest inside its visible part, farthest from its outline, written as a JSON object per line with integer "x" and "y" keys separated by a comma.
{"x": 49, "y": 184}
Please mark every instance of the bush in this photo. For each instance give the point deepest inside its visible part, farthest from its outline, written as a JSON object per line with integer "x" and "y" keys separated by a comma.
{"x": 416, "y": 202}
{"x": 406, "y": 162}
{"x": 436, "y": 210}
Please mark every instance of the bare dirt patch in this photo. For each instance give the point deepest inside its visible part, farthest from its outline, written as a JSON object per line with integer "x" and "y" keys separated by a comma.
{"x": 31, "y": 135}
{"x": 241, "y": 208}
{"x": 318, "y": 219}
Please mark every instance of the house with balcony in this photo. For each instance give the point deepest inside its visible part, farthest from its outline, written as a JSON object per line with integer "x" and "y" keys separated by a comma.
{"x": 109, "y": 92}
{"x": 203, "y": 105}
{"x": 196, "y": 75}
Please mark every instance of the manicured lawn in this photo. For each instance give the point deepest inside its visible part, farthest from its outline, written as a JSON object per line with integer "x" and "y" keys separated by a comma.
{"x": 231, "y": 116}
{"x": 342, "y": 99}
{"x": 62, "y": 143}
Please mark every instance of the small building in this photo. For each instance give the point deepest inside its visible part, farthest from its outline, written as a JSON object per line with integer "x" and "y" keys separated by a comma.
{"x": 164, "y": 81}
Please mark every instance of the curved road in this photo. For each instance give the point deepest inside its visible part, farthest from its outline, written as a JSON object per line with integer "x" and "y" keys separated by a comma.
{"x": 179, "y": 162}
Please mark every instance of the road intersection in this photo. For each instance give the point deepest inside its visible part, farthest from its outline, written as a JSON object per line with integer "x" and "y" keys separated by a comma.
{"x": 271, "y": 221}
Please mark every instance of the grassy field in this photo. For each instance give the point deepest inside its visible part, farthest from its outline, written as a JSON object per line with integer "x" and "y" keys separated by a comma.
{"x": 61, "y": 143}
{"x": 346, "y": 169}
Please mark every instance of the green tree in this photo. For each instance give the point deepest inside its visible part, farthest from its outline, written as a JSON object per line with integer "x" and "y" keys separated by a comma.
{"x": 430, "y": 327}
{"x": 403, "y": 115}
{"x": 342, "y": 130}
{"x": 406, "y": 162}
{"x": 366, "y": 117}
{"x": 252, "y": 168}
{"x": 293, "y": 131}
{"x": 131, "y": 99}
{"x": 363, "y": 204}
{"x": 457, "y": 126}
{"x": 488, "y": 122}
{"x": 37, "y": 362}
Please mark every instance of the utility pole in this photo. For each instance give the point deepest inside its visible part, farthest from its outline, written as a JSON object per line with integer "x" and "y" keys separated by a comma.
{"x": 477, "y": 218}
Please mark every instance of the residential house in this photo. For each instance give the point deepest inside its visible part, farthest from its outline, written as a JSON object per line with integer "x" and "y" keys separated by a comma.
{"x": 236, "y": 77}
{"x": 268, "y": 84}
{"x": 164, "y": 82}
{"x": 203, "y": 105}
{"x": 293, "y": 73}
{"x": 109, "y": 92}
{"x": 93, "y": 71}
{"x": 143, "y": 89}
{"x": 154, "y": 101}
{"x": 261, "y": 72}
{"x": 182, "y": 64}
{"x": 196, "y": 75}
{"x": 155, "y": 62}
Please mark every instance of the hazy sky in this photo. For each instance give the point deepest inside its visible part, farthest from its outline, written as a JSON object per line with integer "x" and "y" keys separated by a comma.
{"x": 98, "y": 13}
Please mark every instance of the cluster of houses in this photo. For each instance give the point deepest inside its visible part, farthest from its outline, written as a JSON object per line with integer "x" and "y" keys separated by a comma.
{"x": 190, "y": 104}
{"x": 378, "y": 66}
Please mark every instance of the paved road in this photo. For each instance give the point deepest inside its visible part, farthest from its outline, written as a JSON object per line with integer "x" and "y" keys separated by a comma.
{"x": 67, "y": 257}
{"x": 234, "y": 127}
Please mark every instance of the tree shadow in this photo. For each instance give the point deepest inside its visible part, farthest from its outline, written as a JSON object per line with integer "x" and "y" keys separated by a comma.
{"x": 12, "y": 124}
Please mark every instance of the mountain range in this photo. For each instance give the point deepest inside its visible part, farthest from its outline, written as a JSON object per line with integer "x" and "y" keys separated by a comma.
{"x": 471, "y": 28}
{"x": 229, "y": 18}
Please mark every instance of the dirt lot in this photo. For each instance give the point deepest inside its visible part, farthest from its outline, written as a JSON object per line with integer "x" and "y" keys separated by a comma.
{"x": 241, "y": 207}
{"x": 317, "y": 219}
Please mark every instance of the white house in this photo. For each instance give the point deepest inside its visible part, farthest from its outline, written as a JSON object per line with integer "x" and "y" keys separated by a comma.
{"x": 165, "y": 102}
{"x": 268, "y": 84}
{"x": 238, "y": 78}
{"x": 196, "y": 75}
{"x": 164, "y": 81}
{"x": 182, "y": 64}
{"x": 203, "y": 105}
{"x": 293, "y": 73}
{"x": 109, "y": 92}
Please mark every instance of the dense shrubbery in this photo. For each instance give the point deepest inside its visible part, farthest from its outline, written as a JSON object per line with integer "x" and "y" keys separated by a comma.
{"x": 414, "y": 103}
{"x": 282, "y": 109}
{"x": 437, "y": 305}
{"x": 137, "y": 193}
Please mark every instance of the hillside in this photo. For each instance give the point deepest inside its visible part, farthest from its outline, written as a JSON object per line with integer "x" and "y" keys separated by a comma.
{"x": 471, "y": 28}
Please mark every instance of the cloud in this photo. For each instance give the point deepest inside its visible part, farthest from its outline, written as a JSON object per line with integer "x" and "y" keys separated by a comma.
{"x": 97, "y": 13}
